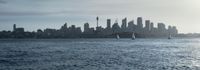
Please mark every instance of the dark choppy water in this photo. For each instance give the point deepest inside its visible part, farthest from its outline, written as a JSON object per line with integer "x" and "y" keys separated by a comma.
{"x": 100, "y": 54}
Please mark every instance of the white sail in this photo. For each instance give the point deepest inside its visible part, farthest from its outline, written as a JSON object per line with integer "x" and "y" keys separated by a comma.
{"x": 169, "y": 37}
{"x": 118, "y": 36}
{"x": 133, "y": 36}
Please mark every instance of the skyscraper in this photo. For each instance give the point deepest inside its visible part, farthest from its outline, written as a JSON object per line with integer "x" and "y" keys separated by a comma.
{"x": 86, "y": 27}
{"x": 97, "y": 18}
{"x": 139, "y": 23}
{"x": 64, "y": 27}
{"x": 161, "y": 27}
{"x": 115, "y": 27}
{"x": 14, "y": 27}
{"x": 169, "y": 28}
{"x": 124, "y": 23}
{"x": 174, "y": 30}
{"x": 147, "y": 25}
{"x": 152, "y": 26}
{"x": 131, "y": 24}
{"x": 108, "y": 23}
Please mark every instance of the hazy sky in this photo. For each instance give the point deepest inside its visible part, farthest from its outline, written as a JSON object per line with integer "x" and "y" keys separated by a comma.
{"x": 40, "y": 14}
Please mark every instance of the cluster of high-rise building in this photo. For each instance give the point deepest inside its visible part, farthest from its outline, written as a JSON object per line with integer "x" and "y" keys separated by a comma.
{"x": 124, "y": 30}
{"x": 127, "y": 28}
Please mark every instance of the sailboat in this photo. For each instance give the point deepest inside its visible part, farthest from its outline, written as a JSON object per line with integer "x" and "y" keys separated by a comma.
{"x": 118, "y": 36}
{"x": 133, "y": 36}
{"x": 169, "y": 37}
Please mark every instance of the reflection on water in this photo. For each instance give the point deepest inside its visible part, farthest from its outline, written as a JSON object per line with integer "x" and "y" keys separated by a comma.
{"x": 101, "y": 54}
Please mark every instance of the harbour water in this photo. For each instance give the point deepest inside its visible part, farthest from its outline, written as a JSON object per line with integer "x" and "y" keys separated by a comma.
{"x": 100, "y": 54}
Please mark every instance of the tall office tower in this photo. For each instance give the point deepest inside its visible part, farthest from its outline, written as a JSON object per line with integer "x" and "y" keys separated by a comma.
{"x": 14, "y": 27}
{"x": 73, "y": 26}
{"x": 169, "y": 27}
{"x": 175, "y": 31}
{"x": 86, "y": 27}
{"x": 161, "y": 27}
{"x": 147, "y": 25}
{"x": 64, "y": 27}
{"x": 108, "y": 23}
{"x": 139, "y": 23}
{"x": 170, "y": 30}
{"x": 65, "y": 24}
{"x": 124, "y": 22}
{"x": 152, "y": 26}
{"x": 115, "y": 27}
{"x": 97, "y": 18}
{"x": 131, "y": 24}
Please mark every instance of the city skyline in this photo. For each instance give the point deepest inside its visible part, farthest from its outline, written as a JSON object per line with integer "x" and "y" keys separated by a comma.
{"x": 37, "y": 14}
{"x": 139, "y": 21}
{"x": 126, "y": 29}
{"x": 122, "y": 24}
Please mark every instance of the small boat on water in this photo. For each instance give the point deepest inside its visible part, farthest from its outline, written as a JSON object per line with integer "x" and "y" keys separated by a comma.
{"x": 117, "y": 37}
{"x": 133, "y": 36}
{"x": 169, "y": 37}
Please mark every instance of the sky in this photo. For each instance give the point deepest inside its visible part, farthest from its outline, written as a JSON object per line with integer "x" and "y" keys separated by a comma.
{"x": 41, "y": 14}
